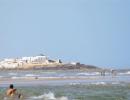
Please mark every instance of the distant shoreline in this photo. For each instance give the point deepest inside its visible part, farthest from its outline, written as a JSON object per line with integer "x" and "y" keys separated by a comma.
{"x": 56, "y": 67}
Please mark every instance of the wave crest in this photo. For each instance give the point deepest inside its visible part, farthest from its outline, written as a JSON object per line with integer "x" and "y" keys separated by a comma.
{"x": 48, "y": 96}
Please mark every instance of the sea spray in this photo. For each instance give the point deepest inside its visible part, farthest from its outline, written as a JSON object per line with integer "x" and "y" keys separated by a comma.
{"x": 48, "y": 96}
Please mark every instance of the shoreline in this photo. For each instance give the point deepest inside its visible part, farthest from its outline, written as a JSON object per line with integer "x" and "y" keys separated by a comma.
{"x": 33, "y": 81}
{"x": 54, "y": 67}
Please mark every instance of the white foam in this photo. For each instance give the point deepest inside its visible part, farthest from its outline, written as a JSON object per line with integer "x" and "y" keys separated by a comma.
{"x": 49, "y": 72}
{"x": 14, "y": 77}
{"x": 48, "y": 96}
{"x": 88, "y": 74}
{"x": 17, "y": 77}
{"x": 12, "y": 73}
{"x": 126, "y": 73}
{"x": 31, "y": 75}
{"x": 99, "y": 83}
{"x": 74, "y": 83}
{"x": 115, "y": 83}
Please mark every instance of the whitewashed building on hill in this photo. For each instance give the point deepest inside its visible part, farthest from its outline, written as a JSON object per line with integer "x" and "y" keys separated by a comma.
{"x": 10, "y": 60}
{"x": 19, "y": 62}
{"x": 38, "y": 59}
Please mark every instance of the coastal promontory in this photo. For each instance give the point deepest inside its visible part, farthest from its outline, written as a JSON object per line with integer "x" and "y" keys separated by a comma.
{"x": 42, "y": 62}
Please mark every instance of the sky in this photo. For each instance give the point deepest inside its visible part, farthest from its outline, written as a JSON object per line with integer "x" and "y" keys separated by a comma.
{"x": 93, "y": 32}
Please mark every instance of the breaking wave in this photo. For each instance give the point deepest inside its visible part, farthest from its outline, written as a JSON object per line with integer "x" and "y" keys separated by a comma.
{"x": 88, "y": 74}
{"x": 99, "y": 83}
{"x": 12, "y": 73}
{"x": 90, "y": 83}
{"x": 126, "y": 73}
{"x": 31, "y": 75}
{"x": 47, "y": 96}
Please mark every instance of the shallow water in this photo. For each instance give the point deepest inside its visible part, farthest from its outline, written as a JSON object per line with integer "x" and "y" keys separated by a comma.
{"x": 102, "y": 88}
{"x": 74, "y": 92}
{"x": 50, "y": 73}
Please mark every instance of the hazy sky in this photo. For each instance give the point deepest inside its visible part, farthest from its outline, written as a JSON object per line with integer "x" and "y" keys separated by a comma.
{"x": 95, "y": 32}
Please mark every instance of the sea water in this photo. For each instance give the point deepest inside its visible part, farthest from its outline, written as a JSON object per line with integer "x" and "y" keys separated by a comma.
{"x": 103, "y": 88}
{"x": 74, "y": 92}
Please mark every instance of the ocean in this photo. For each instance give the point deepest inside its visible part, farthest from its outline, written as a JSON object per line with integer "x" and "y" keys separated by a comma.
{"x": 66, "y": 85}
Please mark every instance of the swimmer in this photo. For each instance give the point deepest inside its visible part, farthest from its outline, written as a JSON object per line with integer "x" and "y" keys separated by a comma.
{"x": 12, "y": 92}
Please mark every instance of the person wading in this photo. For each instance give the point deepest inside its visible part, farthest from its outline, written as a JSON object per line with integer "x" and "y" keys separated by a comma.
{"x": 11, "y": 91}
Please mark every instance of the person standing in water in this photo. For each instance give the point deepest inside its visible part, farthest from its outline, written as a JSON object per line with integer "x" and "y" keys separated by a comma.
{"x": 12, "y": 92}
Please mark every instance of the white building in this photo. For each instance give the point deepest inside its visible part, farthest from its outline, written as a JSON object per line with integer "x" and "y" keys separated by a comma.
{"x": 38, "y": 59}
{"x": 10, "y": 60}
{"x": 18, "y": 63}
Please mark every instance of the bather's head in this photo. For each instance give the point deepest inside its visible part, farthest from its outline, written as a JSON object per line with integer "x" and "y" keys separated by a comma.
{"x": 11, "y": 86}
